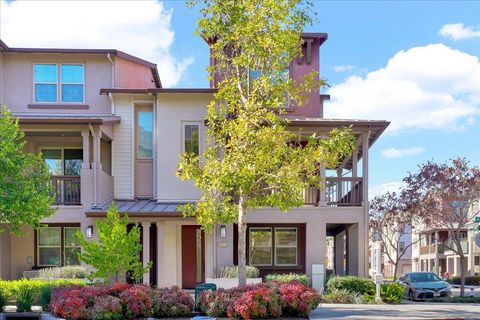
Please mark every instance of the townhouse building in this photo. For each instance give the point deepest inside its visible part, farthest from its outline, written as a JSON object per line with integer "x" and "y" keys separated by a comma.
{"x": 109, "y": 131}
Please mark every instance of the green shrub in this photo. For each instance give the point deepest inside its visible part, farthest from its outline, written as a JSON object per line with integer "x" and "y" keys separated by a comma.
{"x": 302, "y": 278}
{"x": 12, "y": 288}
{"x": 352, "y": 284}
{"x": 232, "y": 272}
{"x": 24, "y": 299}
{"x": 45, "y": 296}
{"x": 469, "y": 280}
{"x": 457, "y": 300}
{"x": 392, "y": 292}
{"x": 3, "y": 299}
{"x": 67, "y": 272}
{"x": 342, "y": 296}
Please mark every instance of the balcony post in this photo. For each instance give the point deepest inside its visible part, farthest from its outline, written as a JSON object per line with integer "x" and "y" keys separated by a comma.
{"x": 322, "y": 201}
{"x": 146, "y": 249}
{"x": 86, "y": 149}
{"x": 437, "y": 258}
{"x": 339, "y": 185}
{"x": 365, "y": 147}
{"x": 355, "y": 163}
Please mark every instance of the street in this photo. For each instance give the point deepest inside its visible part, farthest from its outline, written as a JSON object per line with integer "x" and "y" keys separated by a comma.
{"x": 408, "y": 310}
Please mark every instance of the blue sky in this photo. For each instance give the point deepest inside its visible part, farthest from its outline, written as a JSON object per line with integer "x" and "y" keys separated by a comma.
{"x": 415, "y": 63}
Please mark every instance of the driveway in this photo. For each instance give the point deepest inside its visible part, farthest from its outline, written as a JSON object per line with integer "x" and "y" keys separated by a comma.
{"x": 422, "y": 310}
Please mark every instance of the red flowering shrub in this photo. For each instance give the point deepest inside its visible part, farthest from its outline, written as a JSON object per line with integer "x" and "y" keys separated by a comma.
{"x": 136, "y": 301}
{"x": 171, "y": 302}
{"x": 297, "y": 299}
{"x": 261, "y": 302}
{"x": 107, "y": 308}
{"x": 69, "y": 303}
{"x": 118, "y": 288}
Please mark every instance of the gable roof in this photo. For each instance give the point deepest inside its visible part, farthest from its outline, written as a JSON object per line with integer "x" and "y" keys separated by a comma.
{"x": 118, "y": 53}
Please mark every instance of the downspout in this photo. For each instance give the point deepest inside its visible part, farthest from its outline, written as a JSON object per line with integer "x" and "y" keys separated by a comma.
{"x": 155, "y": 156}
{"x": 95, "y": 197}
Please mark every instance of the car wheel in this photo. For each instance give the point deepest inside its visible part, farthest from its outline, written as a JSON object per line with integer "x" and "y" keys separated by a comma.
{"x": 410, "y": 294}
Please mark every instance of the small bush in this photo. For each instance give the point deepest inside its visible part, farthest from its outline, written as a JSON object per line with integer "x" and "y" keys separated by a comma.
{"x": 171, "y": 303}
{"x": 3, "y": 299}
{"x": 342, "y": 296}
{"x": 469, "y": 280}
{"x": 261, "y": 302}
{"x": 302, "y": 278}
{"x": 107, "y": 308}
{"x": 67, "y": 272}
{"x": 216, "y": 303}
{"x": 232, "y": 272}
{"x": 392, "y": 292}
{"x": 297, "y": 299}
{"x": 137, "y": 301}
{"x": 457, "y": 300}
{"x": 71, "y": 302}
{"x": 25, "y": 300}
{"x": 352, "y": 284}
{"x": 45, "y": 297}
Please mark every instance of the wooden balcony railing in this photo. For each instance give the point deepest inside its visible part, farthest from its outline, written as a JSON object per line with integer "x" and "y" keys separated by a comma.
{"x": 66, "y": 190}
{"x": 338, "y": 192}
{"x": 344, "y": 191}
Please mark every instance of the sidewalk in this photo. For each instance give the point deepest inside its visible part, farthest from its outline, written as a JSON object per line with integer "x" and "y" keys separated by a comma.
{"x": 420, "y": 310}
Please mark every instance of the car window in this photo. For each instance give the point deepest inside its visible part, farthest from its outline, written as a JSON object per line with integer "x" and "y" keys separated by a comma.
{"x": 424, "y": 277}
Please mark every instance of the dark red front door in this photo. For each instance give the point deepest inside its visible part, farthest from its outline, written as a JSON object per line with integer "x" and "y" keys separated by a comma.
{"x": 193, "y": 256}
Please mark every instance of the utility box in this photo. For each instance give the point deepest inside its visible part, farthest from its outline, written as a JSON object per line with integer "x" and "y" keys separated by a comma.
{"x": 318, "y": 277}
{"x": 379, "y": 278}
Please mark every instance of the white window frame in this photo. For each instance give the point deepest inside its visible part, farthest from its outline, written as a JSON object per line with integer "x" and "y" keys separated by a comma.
{"x": 283, "y": 246}
{"x": 138, "y": 109}
{"x": 65, "y": 246}
{"x": 271, "y": 246}
{"x": 39, "y": 246}
{"x": 58, "y": 83}
{"x": 189, "y": 123}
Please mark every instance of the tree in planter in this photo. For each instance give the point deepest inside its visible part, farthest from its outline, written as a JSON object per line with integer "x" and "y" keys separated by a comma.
{"x": 389, "y": 223}
{"x": 25, "y": 194}
{"x": 446, "y": 196}
{"x": 117, "y": 250}
{"x": 252, "y": 159}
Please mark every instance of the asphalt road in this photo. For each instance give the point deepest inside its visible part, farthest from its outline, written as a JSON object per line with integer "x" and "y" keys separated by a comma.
{"x": 417, "y": 310}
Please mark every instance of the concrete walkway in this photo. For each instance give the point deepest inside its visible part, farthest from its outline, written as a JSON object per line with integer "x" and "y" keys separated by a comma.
{"x": 399, "y": 311}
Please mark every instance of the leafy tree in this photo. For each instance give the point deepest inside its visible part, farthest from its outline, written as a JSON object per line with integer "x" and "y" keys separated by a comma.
{"x": 446, "y": 196}
{"x": 390, "y": 222}
{"x": 25, "y": 195}
{"x": 117, "y": 250}
{"x": 252, "y": 160}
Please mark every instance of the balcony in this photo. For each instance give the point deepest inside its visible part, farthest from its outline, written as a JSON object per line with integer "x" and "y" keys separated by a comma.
{"x": 66, "y": 190}
{"x": 339, "y": 192}
{"x": 432, "y": 248}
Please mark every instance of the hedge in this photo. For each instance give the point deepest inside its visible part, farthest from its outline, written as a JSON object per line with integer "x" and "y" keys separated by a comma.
{"x": 469, "y": 280}
{"x": 352, "y": 284}
{"x": 12, "y": 288}
{"x": 302, "y": 278}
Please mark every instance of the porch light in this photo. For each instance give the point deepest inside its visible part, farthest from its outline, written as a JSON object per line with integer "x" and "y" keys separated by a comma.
{"x": 89, "y": 232}
{"x": 223, "y": 231}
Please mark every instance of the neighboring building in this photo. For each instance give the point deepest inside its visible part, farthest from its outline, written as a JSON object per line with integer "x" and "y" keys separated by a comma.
{"x": 109, "y": 131}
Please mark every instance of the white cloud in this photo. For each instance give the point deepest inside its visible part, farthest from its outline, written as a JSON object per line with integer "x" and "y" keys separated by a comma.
{"x": 397, "y": 153}
{"x": 458, "y": 31}
{"x": 430, "y": 87}
{"x": 140, "y": 28}
{"x": 383, "y": 188}
{"x": 344, "y": 68}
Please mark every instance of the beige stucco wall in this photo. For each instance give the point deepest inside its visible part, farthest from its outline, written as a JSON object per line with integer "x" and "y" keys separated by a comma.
{"x": 172, "y": 111}
{"x": 18, "y": 81}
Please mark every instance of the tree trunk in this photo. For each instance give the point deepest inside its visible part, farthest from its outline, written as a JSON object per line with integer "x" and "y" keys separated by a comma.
{"x": 462, "y": 275}
{"x": 395, "y": 270}
{"x": 242, "y": 240}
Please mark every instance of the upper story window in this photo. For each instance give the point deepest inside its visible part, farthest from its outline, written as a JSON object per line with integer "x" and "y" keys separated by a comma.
{"x": 191, "y": 138}
{"x": 61, "y": 162}
{"x": 56, "y": 83}
{"x": 145, "y": 134}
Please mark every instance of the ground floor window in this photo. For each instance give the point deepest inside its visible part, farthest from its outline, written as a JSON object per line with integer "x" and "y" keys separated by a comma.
{"x": 273, "y": 246}
{"x": 57, "y": 246}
